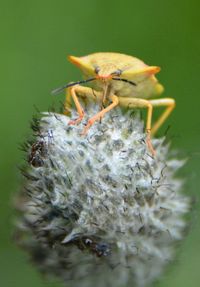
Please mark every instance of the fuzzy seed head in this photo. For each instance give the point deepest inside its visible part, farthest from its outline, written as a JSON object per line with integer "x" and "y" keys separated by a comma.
{"x": 99, "y": 210}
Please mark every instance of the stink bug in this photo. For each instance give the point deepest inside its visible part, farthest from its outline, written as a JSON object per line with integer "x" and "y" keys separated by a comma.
{"x": 119, "y": 80}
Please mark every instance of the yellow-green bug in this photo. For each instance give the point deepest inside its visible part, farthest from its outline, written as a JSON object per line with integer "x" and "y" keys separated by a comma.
{"x": 118, "y": 79}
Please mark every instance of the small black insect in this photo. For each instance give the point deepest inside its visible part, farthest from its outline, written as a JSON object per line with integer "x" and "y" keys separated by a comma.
{"x": 91, "y": 244}
{"x": 37, "y": 154}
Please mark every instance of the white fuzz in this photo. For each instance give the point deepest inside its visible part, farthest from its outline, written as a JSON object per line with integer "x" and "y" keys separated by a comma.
{"x": 99, "y": 210}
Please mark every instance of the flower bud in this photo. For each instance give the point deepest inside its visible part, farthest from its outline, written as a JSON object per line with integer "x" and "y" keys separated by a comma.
{"x": 99, "y": 210}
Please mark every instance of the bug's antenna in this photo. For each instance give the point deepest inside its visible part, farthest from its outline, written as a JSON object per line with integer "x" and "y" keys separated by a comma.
{"x": 124, "y": 80}
{"x": 60, "y": 89}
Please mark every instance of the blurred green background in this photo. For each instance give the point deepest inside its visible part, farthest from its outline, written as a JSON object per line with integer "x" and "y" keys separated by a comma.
{"x": 35, "y": 38}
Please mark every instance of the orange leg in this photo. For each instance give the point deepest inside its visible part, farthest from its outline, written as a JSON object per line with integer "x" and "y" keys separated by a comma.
{"x": 165, "y": 102}
{"x": 79, "y": 108}
{"x": 74, "y": 93}
{"x": 141, "y": 103}
{"x": 99, "y": 115}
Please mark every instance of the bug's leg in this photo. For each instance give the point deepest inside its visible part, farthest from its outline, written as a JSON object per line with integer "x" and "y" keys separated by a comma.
{"x": 81, "y": 92}
{"x": 169, "y": 103}
{"x": 75, "y": 92}
{"x": 67, "y": 104}
{"x": 79, "y": 108}
{"x": 87, "y": 93}
{"x": 141, "y": 103}
{"x": 99, "y": 115}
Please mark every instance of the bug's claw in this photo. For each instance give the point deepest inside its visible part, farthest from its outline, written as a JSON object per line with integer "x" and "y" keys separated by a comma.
{"x": 149, "y": 143}
{"x": 77, "y": 121}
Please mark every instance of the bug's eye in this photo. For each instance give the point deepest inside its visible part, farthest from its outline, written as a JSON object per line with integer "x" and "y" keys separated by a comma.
{"x": 97, "y": 70}
{"x": 117, "y": 72}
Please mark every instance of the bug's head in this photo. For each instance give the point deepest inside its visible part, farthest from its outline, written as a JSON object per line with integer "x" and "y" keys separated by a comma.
{"x": 99, "y": 68}
{"x": 90, "y": 68}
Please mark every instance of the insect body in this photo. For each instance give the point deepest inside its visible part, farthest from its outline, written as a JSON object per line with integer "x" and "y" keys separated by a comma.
{"x": 118, "y": 79}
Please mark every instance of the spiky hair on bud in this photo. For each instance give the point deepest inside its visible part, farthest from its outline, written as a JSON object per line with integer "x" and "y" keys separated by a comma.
{"x": 99, "y": 210}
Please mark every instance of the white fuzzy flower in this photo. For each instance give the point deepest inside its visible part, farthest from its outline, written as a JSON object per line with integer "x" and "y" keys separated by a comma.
{"x": 99, "y": 210}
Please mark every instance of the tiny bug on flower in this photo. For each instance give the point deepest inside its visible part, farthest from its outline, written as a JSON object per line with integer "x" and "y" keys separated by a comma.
{"x": 119, "y": 80}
